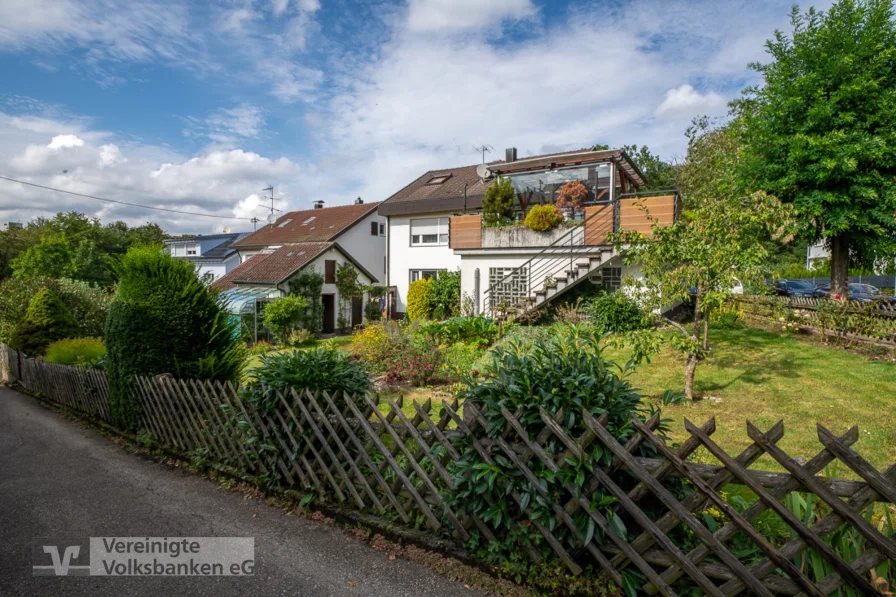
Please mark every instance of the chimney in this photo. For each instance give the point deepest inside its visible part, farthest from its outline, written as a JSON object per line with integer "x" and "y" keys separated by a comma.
{"x": 318, "y": 205}
{"x": 510, "y": 154}
{"x": 359, "y": 201}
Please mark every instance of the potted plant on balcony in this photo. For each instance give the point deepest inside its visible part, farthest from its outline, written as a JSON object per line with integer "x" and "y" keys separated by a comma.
{"x": 571, "y": 197}
{"x": 542, "y": 218}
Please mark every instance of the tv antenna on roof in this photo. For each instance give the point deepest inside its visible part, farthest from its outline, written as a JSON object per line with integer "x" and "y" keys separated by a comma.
{"x": 484, "y": 149}
{"x": 272, "y": 217}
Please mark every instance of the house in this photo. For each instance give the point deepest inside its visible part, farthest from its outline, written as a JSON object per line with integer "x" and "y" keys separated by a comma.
{"x": 321, "y": 239}
{"x": 213, "y": 255}
{"x": 434, "y": 224}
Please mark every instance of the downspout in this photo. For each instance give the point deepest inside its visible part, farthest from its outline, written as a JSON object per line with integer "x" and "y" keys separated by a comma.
{"x": 389, "y": 306}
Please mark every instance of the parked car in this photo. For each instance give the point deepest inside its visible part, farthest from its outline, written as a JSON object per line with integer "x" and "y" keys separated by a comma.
{"x": 800, "y": 288}
{"x": 863, "y": 293}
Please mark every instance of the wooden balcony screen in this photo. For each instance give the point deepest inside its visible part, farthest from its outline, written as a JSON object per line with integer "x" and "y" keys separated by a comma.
{"x": 633, "y": 217}
{"x": 599, "y": 226}
{"x": 465, "y": 232}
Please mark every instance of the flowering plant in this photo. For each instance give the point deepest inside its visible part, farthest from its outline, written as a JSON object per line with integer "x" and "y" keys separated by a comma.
{"x": 418, "y": 365}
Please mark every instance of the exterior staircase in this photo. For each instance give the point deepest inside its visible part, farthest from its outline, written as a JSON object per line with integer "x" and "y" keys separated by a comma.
{"x": 559, "y": 267}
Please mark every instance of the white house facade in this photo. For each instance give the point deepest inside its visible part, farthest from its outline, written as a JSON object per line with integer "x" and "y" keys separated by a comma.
{"x": 434, "y": 224}
{"x": 212, "y": 254}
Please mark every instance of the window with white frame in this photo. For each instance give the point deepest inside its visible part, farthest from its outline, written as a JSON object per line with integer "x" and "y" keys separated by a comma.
{"x": 425, "y": 274}
{"x": 192, "y": 250}
{"x": 429, "y": 232}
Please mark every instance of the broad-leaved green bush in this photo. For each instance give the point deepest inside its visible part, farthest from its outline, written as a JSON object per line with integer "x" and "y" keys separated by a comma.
{"x": 284, "y": 314}
{"x": 614, "y": 312}
{"x": 444, "y": 295}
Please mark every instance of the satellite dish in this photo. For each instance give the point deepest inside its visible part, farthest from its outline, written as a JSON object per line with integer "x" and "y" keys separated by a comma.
{"x": 271, "y": 218}
{"x": 226, "y": 229}
{"x": 483, "y": 171}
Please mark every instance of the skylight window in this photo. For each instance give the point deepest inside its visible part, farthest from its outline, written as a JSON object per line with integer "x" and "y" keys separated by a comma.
{"x": 284, "y": 222}
{"x": 309, "y": 220}
{"x": 438, "y": 179}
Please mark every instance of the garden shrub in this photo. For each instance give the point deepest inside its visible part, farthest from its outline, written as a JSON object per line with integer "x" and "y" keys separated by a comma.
{"x": 298, "y": 337}
{"x": 542, "y": 218}
{"x": 163, "y": 319}
{"x": 498, "y": 203}
{"x": 45, "y": 321}
{"x": 372, "y": 311}
{"x": 480, "y": 330}
{"x": 566, "y": 371}
{"x": 444, "y": 295}
{"x": 284, "y": 314}
{"x": 89, "y": 305}
{"x": 318, "y": 369}
{"x": 419, "y": 299}
{"x": 86, "y": 352}
{"x": 308, "y": 284}
{"x": 615, "y": 313}
{"x": 460, "y": 359}
{"x": 419, "y": 365}
{"x": 378, "y": 343}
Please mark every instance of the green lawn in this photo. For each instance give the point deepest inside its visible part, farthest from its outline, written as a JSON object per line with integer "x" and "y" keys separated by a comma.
{"x": 764, "y": 377}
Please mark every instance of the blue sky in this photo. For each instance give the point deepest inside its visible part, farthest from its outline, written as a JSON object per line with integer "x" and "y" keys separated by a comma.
{"x": 198, "y": 106}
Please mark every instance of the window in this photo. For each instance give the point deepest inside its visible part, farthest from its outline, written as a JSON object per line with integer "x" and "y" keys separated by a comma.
{"x": 429, "y": 232}
{"x": 330, "y": 271}
{"x": 191, "y": 251}
{"x": 208, "y": 277}
{"x": 284, "y": 222}
{"x": 382, "y": 230}
{"x": 309, "y": 220}
{"x": 611, "y": 278}
{"x": 438, "y": 179}
{"x": 374, "y": 229}
{"x": 425, "y": 274}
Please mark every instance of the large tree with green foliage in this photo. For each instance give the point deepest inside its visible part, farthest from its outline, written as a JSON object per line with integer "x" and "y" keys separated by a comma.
{"x": 718, "y": 238}
{"x": 820, "y": 132}
{"x": 163, "y": 319}
{"x": 46, "y": 320}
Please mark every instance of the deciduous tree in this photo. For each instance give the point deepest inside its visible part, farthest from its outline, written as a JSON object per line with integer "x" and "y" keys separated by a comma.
{"x": 820, "y": 132}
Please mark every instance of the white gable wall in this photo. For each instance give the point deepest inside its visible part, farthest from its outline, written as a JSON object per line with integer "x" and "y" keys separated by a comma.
{"x": 365, "y": 248}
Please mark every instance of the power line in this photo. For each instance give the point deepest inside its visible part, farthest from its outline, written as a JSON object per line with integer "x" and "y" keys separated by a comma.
{"x": 175, "y": 211}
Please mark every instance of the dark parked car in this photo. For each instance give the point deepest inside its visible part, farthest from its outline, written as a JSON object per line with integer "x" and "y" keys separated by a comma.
{"x": 864, "y": 293}
{"x": 796, "y": 288}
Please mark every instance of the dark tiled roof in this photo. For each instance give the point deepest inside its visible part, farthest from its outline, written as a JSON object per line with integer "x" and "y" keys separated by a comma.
{"x": 310, "y": 225}
{"x": 273, "y": 267}
{"x": 222, "y": 251}
{"x": 449, "y": 194}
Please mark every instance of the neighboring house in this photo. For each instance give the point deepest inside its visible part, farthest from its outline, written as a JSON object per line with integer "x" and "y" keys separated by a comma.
{"x": 321, "y": 239}
{"x": 212, "y": 254}
{"x": 434, "y": 225}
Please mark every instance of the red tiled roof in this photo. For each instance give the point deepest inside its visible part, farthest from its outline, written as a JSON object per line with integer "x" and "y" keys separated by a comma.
{"x": 310, "y": 225}
{"x": 273, "y": 267}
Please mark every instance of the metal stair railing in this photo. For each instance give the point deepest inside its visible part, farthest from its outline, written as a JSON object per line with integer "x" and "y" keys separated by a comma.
{"x": 559, "y": 257}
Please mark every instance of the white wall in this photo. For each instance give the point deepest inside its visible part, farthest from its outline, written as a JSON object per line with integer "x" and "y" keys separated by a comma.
{"x": 218, "y": 269}
{"x": 366, "y": 249}
{"x": 319, "y": 266}
{"x": 403, "y": 257}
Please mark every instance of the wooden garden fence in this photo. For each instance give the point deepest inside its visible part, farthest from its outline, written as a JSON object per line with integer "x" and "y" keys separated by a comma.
{"x": 369, "y": 455}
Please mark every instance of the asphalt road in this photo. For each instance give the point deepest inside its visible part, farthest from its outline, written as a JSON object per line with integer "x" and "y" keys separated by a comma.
{"x": 58, "y": 479}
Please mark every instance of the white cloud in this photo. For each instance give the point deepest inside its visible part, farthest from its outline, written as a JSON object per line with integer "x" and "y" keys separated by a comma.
{"x": 62, "y": 141}
{"x": 243, "y": 120}
{"x": 447, "y": 15}
{"x": 687, "y": 102}
{"x": 220, "y": 182}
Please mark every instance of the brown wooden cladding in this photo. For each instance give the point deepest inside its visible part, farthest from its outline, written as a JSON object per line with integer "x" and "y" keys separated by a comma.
{"x": 632, "y": 214}
{"x": 598, "y": 227}
{"x": 465, "y": 232}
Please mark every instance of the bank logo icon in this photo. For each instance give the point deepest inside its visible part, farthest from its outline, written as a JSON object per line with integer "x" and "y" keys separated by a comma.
{"x": 52, "y": 556}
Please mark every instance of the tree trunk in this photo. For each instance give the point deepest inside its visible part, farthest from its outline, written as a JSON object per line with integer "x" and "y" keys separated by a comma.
{"x": 689, "y": 370}
{"x": 706, "y": 331}
{"x": 840, "y": 265}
